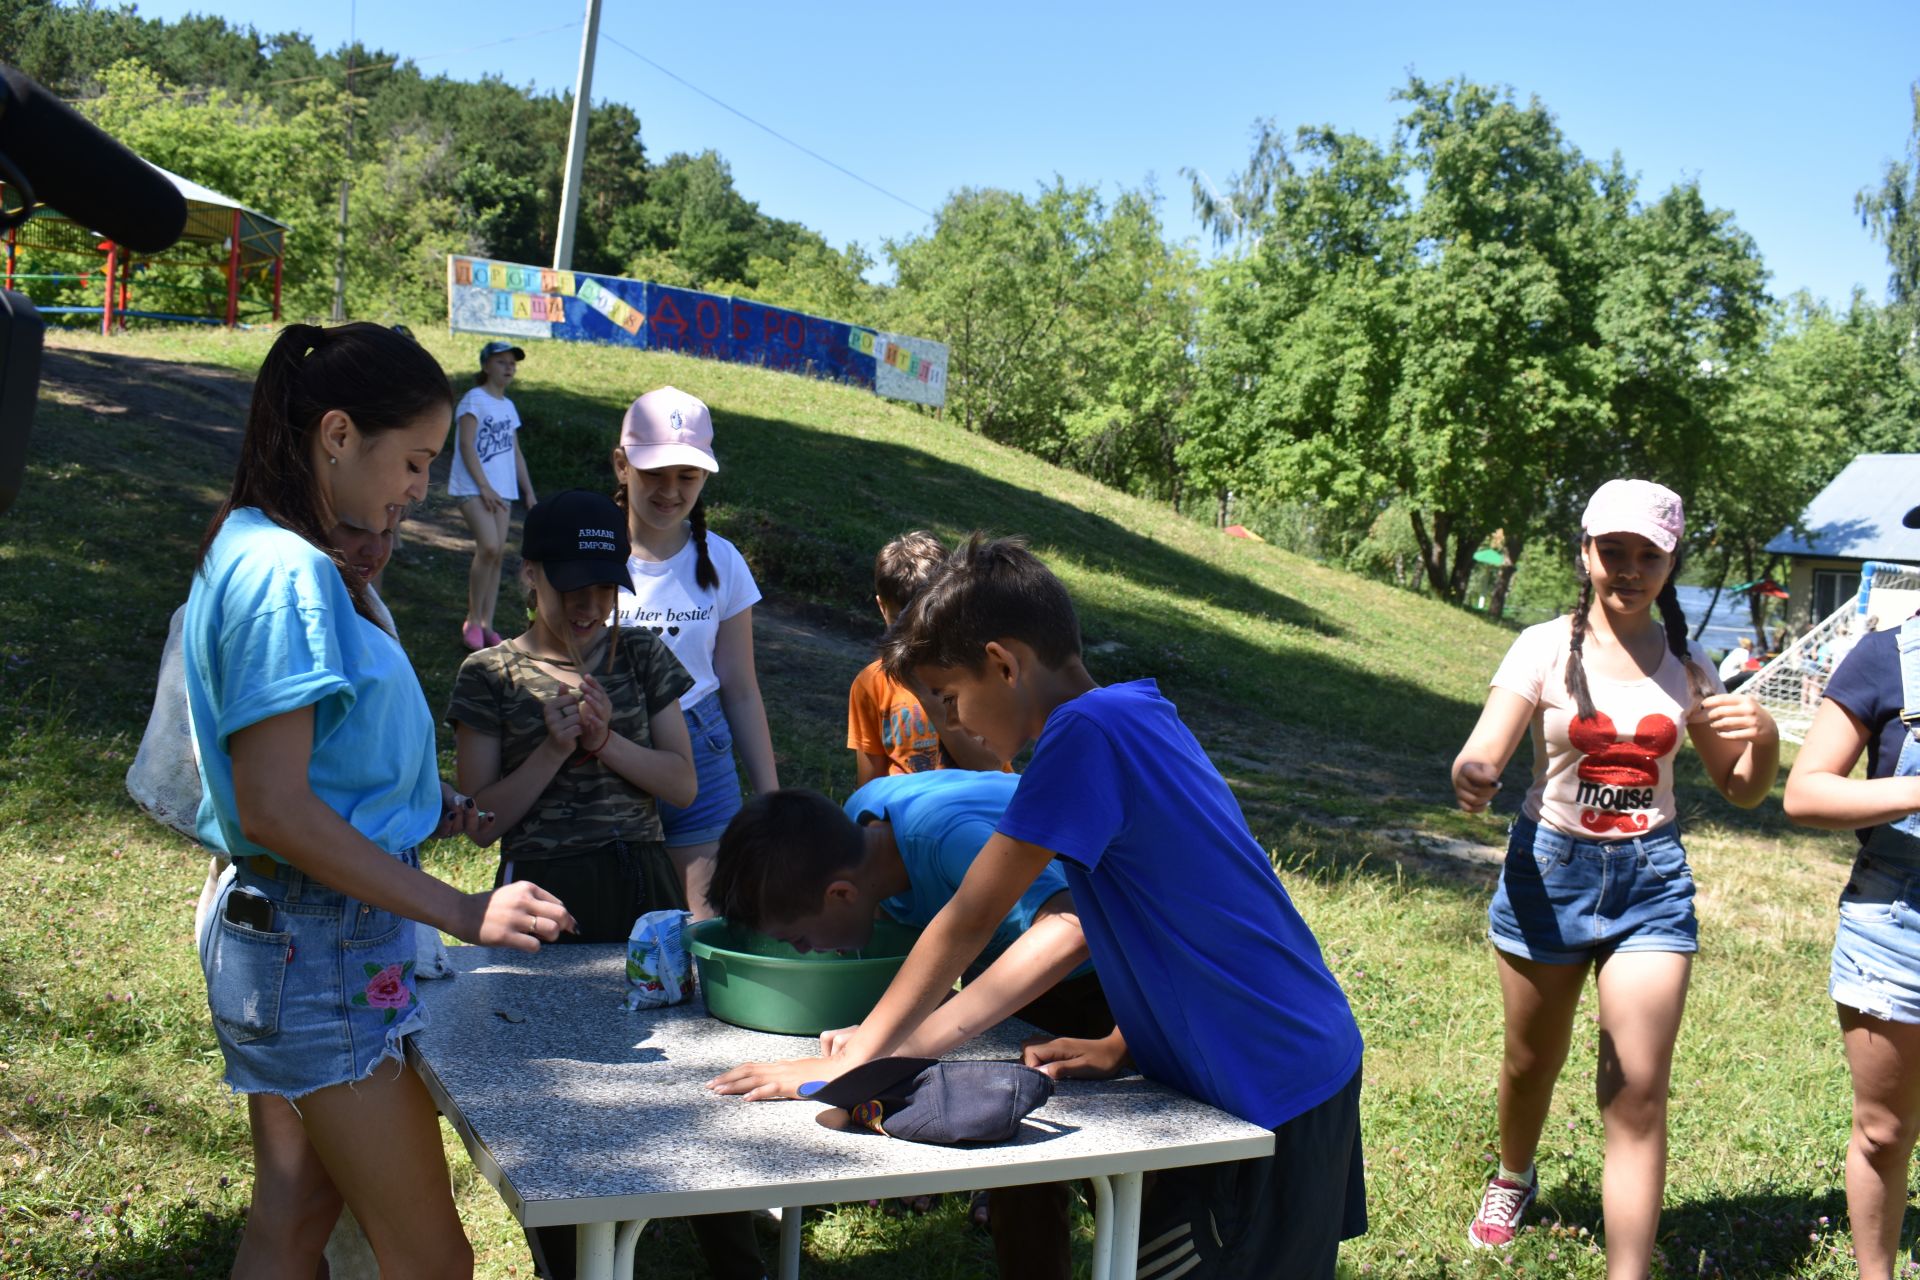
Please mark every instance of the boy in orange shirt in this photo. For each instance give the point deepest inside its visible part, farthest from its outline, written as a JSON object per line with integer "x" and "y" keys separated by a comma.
{"x": 887, "y": 729}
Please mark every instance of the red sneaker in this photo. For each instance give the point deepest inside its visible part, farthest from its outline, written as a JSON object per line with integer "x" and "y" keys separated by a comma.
{"x": 472, "y": 637}
{"x": 493, "y": 637}
{"x": 1501, "y": 1208}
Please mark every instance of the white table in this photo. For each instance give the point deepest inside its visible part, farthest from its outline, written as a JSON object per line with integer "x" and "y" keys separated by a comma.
{"x": 579, "y": 1112}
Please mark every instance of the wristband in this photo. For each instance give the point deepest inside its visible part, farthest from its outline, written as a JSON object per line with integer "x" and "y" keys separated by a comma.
{"x": 605, "y": 738}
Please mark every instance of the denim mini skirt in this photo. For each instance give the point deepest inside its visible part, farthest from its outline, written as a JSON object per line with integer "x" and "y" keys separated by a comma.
{"x": 1564, "y": 900}
{"x": 1876, "y": 950}
{"x": 718, "y": 799}
{"x": 321, "y": 995}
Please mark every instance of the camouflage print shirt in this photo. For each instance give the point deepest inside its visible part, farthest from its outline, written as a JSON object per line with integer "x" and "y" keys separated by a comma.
{"x": 587, "y": 806}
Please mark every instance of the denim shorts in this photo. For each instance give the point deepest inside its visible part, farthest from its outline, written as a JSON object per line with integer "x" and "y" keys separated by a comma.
{"x": 322, "y": 996}
{"x": 719, "y": 796}
{"x": 1563, "y": 900}
{"x": 1876, "y": 950}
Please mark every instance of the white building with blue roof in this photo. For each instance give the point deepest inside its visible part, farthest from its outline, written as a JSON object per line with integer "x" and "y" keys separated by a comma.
{"x": 1853, "y": 520}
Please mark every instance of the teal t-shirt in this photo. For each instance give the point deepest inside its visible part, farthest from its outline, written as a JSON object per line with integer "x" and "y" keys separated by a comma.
{"x": 940, "y": 820}
{"x": 270, "y": 628}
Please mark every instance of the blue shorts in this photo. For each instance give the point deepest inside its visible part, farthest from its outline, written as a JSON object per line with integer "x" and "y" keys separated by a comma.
{"x": 322, "y": 996}
{"x": 719, "y": 796}
{"x": 1876, "y": 950}
{"x": 1564, "y": 900}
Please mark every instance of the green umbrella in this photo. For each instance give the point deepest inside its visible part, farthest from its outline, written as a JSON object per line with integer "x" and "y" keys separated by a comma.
{"x": 1487, "y": 555}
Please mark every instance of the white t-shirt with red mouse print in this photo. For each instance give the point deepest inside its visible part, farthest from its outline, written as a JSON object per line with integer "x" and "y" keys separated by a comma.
{"x": 1611, "y": 777}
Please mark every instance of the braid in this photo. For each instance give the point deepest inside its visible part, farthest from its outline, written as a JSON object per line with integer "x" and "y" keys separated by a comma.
{"x": 1675, "y": 622}
{"x": 1576, "y": 673}
{"x": 703, "y": 571}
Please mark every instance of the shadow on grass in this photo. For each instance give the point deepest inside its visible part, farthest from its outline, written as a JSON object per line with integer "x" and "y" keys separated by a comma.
{"x": 185, "y": 1238}
{"x": 1751, "y": 1234}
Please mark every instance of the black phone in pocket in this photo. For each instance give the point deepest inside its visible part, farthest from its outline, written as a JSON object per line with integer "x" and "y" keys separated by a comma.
{"x": 249, "y": 911}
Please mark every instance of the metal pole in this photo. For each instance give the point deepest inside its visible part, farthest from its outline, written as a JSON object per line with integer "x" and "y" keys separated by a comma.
{"x": 106, "y": 301}
{"x": 340, "y": 246}
{"x": 233, "y": 273}
{"x": 577, "y": 142}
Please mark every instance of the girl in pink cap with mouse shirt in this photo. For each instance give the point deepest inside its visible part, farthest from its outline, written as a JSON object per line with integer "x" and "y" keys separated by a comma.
{"x": 694, "y": 591}
{"x": 1595, "y": 875}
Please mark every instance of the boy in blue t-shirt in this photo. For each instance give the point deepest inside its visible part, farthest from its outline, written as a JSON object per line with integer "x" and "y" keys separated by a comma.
{"x": 1216, "y": 984}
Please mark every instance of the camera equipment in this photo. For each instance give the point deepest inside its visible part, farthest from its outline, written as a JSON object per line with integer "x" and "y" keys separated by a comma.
{"x": 49, "y": 154}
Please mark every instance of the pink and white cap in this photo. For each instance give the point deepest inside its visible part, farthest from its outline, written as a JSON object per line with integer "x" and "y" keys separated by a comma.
{"x": 668, "y": 428}
{"x": 1636, "y": 506}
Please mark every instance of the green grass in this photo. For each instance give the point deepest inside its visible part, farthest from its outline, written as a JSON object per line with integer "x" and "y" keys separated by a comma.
{"x": 1332, "y": 704}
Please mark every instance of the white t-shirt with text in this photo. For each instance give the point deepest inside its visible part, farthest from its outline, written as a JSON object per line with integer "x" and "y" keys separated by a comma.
{"x": 668, "y": 602}
{"x": 1611, "y": 777}
{"x": 497, "y": 421}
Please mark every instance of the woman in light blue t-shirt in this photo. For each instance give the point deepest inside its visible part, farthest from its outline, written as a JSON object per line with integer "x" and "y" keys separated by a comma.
{"x": 319, "y": 780}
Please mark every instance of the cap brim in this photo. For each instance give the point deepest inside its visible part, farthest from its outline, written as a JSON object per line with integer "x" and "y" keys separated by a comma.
{"x": 572, "y": 575}
{"x": 1652, "y": 532}
{"x": 652, "y": 457}
{"x": 1912, "y": 519}
{"x": 865, "y": 1082}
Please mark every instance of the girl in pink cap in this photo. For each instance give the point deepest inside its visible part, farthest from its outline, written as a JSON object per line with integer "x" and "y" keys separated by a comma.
{"x": 694, "y": 591}
{"x": 1595, "y": 876}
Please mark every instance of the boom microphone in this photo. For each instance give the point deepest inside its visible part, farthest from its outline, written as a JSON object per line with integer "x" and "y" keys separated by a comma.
{"x": 82, "y": 172}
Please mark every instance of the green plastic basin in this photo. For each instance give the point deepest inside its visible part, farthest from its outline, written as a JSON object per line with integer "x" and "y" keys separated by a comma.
{"x": 755, "y": 981}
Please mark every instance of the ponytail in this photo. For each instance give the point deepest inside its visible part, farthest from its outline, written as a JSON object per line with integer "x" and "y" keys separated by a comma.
{"x": 380, "y": 379}
{"x": 703, "y": 571}
{"x": 1576, "y": 673}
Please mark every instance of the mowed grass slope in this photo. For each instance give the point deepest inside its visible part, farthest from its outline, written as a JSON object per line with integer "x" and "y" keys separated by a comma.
{"x": 1332, "y": 704}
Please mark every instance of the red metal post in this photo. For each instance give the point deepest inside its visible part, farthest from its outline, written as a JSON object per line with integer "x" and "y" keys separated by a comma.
{"x": 12, "y": 249}
{"x": 126, "y": 286}
{"x": 106, "y": 297}
{"x": 233, "y": 274}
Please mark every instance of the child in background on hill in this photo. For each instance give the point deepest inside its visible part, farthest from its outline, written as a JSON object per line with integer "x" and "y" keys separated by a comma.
{"x": 1595, "y": 874}
{"x": 569, "y": 734}
{"x": 887, "y": 726}
{"x": 795, "y": 865}
{"x": 692, "y": 590}
{"x": 1217, "y": 984}
{"x": 488, "y": 473}
{"x": 1874, "y": 976}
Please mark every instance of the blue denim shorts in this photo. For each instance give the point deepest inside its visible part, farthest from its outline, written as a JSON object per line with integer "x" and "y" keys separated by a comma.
{"x": 719, "y": 797}
{"x": 322, "y": 996}
{"x": 1876, "y": 950}
{"x": 1564, "y": 900}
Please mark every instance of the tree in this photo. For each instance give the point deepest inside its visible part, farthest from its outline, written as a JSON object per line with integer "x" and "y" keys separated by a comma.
{"x": 1892, "y": 213}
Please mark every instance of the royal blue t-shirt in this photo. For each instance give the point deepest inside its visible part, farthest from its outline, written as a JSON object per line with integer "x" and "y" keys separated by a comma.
{"x": 941, "y": 819}
{"x": 271, "y": 628}
{"x": 1215, "y": 980}
{"x": 1867, "y": 683}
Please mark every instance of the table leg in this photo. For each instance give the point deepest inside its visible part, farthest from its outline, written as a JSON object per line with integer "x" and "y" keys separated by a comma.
{"x": 626, "y": 1237}
{"x": 790, "y": 1216}
{"x": 1102, "y": 1227}
{"x": 593, "y": 1251}
{"x": 1125, "y": 1246}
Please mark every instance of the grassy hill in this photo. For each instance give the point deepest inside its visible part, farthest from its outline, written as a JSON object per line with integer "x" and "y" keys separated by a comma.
{"x": 1333, "y": 705}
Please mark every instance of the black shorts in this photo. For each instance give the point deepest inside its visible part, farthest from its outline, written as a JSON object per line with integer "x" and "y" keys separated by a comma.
{"x": 1282, "y": 1216}
{"x": 607, "y": 889}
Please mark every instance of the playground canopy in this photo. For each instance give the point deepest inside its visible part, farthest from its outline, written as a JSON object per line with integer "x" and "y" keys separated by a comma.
{"x": 244, "y": 244}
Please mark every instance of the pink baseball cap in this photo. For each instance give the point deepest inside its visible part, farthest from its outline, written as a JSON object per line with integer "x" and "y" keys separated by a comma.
{"x": 1636, "y": 506}
{"x": 668, "y": 428}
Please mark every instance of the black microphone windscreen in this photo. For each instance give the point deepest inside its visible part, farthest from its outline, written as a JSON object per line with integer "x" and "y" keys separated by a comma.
{"x": 85, "y": 174}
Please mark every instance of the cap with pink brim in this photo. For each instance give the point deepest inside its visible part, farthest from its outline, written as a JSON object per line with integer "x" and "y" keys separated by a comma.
{"x": 1636, "y": 506}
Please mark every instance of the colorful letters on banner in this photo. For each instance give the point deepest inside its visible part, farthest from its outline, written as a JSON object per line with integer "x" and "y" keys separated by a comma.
{"x": 516, "y": 301}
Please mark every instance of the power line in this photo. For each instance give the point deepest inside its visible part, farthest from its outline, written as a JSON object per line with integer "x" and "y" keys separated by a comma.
{"x": 766, "y": 128}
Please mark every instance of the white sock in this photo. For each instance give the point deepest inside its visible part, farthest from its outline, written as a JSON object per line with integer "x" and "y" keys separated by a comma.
{"x": 1519, "y": 1179}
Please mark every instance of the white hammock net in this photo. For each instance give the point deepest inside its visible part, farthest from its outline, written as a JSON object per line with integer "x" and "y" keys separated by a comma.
{"x": 1792, "y": 685}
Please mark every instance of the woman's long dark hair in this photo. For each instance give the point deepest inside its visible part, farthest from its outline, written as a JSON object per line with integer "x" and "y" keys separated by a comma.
{"x": 1672, "y": 618}
{"x": 381, "y": 379}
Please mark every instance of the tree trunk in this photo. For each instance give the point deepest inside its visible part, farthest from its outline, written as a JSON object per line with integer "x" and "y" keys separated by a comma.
{"x": 1461, "y": 573}
{"x": 1497, "y": 606}
{"x": 1433, "y": 550}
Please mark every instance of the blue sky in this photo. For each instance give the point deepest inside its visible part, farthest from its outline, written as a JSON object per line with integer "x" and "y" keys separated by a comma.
{"x": 1781, "y": 112}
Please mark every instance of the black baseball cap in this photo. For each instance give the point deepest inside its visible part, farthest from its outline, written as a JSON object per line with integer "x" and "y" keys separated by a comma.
{"x": 945, "y": 1103}
{"x": 493, "y": 349}
{"x": 1912, "y": 519}
{"x": 579, "y": 539}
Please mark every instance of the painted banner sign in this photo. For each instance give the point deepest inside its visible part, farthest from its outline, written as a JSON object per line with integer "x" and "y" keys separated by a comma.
{"x": 511, "y": 300}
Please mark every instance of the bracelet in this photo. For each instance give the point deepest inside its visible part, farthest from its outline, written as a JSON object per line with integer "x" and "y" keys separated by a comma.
{"x": 605, "y": 738}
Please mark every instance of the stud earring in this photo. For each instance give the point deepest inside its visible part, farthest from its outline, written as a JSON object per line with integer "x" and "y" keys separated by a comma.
{"x": 332, "y": 461}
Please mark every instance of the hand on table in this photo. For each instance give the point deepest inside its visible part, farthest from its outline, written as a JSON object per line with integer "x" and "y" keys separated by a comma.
{"x": 765, "y": 1081}
{"x": 520, "y": 915}
{"x": 1065, "y": 1058}
{"x": 831, "y": 1042}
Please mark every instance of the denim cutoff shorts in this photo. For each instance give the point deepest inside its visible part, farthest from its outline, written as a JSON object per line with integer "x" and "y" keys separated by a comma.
{"x": 322, "y": 997}
{"x": 1564, "y": 900}
{"x": 1876, "y": 950}
{"x": 719, "y": 796}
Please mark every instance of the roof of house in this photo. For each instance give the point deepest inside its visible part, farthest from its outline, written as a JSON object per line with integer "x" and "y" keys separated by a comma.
{"x": 1857, "y": 517}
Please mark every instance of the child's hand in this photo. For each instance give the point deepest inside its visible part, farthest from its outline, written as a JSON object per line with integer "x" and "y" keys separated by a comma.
{"x": 562, "y": 714}
{"x": 460, "y": 816}
{"x": 765, "y": 1081}
{"x": 1474, "y": 782}
{"x": 520, "y": 915}
{"x": 1739, "y": 718}
{"x": 596, "y": 714}
{"x": 1065, "y": 1058}
{"x": 491, "y": 500}
{"x": 830, "y": 1041}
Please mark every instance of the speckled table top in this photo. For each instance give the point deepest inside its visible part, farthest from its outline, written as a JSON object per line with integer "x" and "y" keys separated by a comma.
{"x": 579, "y": 1111}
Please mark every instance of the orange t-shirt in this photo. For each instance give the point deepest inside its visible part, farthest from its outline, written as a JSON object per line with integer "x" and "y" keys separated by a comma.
{"x": 885, "y": 719}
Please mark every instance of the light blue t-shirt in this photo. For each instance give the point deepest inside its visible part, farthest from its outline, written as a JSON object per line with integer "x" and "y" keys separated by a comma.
{"x": 1213, "y": 977}
{"x": 270, "y": 628}
{"x": 940, "y": 820}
